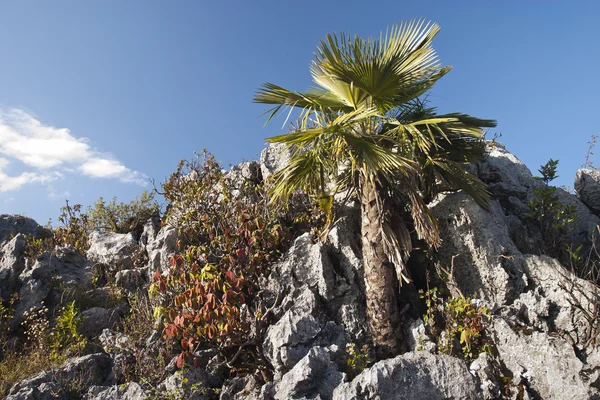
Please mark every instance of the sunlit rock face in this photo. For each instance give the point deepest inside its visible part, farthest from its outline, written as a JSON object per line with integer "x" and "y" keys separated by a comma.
{"x": 544, "y": 319}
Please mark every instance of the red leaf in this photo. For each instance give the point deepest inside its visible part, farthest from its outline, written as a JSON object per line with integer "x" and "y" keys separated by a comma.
{"x": 240, "y": 253}
{"x": 181, "y": 361}
{"x": 156, "y": 276}
{"x": 162, "y": 287}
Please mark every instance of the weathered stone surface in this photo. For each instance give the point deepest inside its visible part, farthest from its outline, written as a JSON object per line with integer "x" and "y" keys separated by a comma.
{"x": 315, "y": 375}
{"x": 244, "y": 388}
{"x": 96, "y": 319}
{"x": 128, "y": 391}
{"x": 412, "y": 376}
{"x": 161, "y": 249}
{"x": 63, "y": 268}
{"x": 131, "y": 280}
{"x": 549, "y": 365}
{"x": 12, "y": 263}
{"x": 416, "y": 337}
{"x": 487, "y": 374}
{"x": 11, "y": 225}
{"x": 88, "y": 370}
{"x": 113, "y": 249}
{"x": 246, "y": 173}
{"x": 273, "y": 158}
{"x": 477, "y": 250}
{"x": 587, "y": 186}
{"x": 288, "y": 340}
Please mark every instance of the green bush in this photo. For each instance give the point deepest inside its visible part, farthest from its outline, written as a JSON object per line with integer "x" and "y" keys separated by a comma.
{"x": 122, "y": 217}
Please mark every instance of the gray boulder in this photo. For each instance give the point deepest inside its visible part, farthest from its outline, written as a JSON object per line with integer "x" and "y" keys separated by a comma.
{"x": 113, "y": 249}
{"x": 12, "y": 263}
{"x": 131, "y": 280}
{"x": 315, "y": 376}
{"x": 83, "y": 371}
{"x": 587, "y": 186}
{"x": 96, "y": 319}
{"x": 273, "y": 158}
{"x": 412, "y": 376}
{"x": 11, "y": 225}
{"x": 63, "y": 269}
{"x": 128, "y": 391}
{"x": 246, "y": 173}
{"x": 161, "y": 249}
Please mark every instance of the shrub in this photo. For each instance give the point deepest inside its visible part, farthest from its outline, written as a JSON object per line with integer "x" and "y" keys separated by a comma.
{"x": 228, "y": 238}
{"x": 75, "y": 228}
{"x": 122, "y": 217}
{"x": 457, "y": 323}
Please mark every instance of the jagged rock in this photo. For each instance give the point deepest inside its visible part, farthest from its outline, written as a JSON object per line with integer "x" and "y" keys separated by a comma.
{"x": 131, "y": 280}
{"x": 128, "y": 391}
{"x": 477, "y": 250}
{"x": 273, "y": 158}
{"x": 84, "y": 371}
{"x": 113, "y": 249}
{"x": 150, "y": 231}
{"x": 161, "y": 249}
{"x": 244, "y": 388}
{"x": 12, "y": 263}
{"x": 288, "y": 340}
{"x": 307, "y": 264}
{"x": 416, "y": 337}
{"x": 115, "y": 342}
{"x": 96, "y": 319}
{"x": 484, "y": 370}
{"x": 312, "y": 377}
{"x": 63, "y": 268}
{"x": 246, "y": 173}
{"x": 412, "y": 376}
{"x": 513, "y": 184}
{"x": 11, "y": 225}
{"x": 549, "y": 365}
{"x": 587, "y": 186}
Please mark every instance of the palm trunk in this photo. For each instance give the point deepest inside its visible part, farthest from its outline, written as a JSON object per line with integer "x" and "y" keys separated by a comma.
{"x": 380, "y": 278}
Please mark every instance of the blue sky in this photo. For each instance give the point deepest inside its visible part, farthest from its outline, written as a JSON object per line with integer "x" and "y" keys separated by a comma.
{"x": 97, "y": 97}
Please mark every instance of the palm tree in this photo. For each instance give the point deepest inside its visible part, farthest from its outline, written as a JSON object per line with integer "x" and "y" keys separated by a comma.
{"x": 364, "y": 128}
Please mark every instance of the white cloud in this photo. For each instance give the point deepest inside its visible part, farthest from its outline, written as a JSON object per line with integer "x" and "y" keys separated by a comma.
{"x": 51, "y": 152}
{"x": 8, "y": 183}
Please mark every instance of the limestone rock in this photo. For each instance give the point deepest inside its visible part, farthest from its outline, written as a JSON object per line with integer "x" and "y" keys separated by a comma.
{"x": 313, "y": 376}
{"x": 96, "y": 319}
{"x": 128, "y": 391}
{"x": 113, "y": 249}
{"x": 587, "y": 186}
{"x": 88, "y": 370}
{"x": 12, "y": 225}
{"x": 412, "y": 376}
{"x": 273, "y": 158}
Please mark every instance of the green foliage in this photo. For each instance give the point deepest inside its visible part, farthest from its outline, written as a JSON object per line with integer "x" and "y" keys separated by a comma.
{"x": 74, "y": 231}
{"x": 122, "y": 217}
{"x": 548, "y": 171}
{"x": 65, "y": 336}
{"x": 7, "y": 312}
{"x": 554, "y": 219}
{"x": 227, "y": 240}
{"x": 458, "y": 322}
{"x": 358, "y": 359}
{"x": 35, "y": 247}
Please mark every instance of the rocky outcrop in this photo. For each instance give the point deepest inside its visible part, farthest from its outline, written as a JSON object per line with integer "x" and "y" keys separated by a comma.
{"x": 11, "y": 225}
{"x": 587, "y": 187}
{"x": 273, "y": 158}
{"x": 113, "y": 249}
{"x": 81, "y": 372}
{"x": 543, "y": 323}
{"x": 412, "y": 376}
